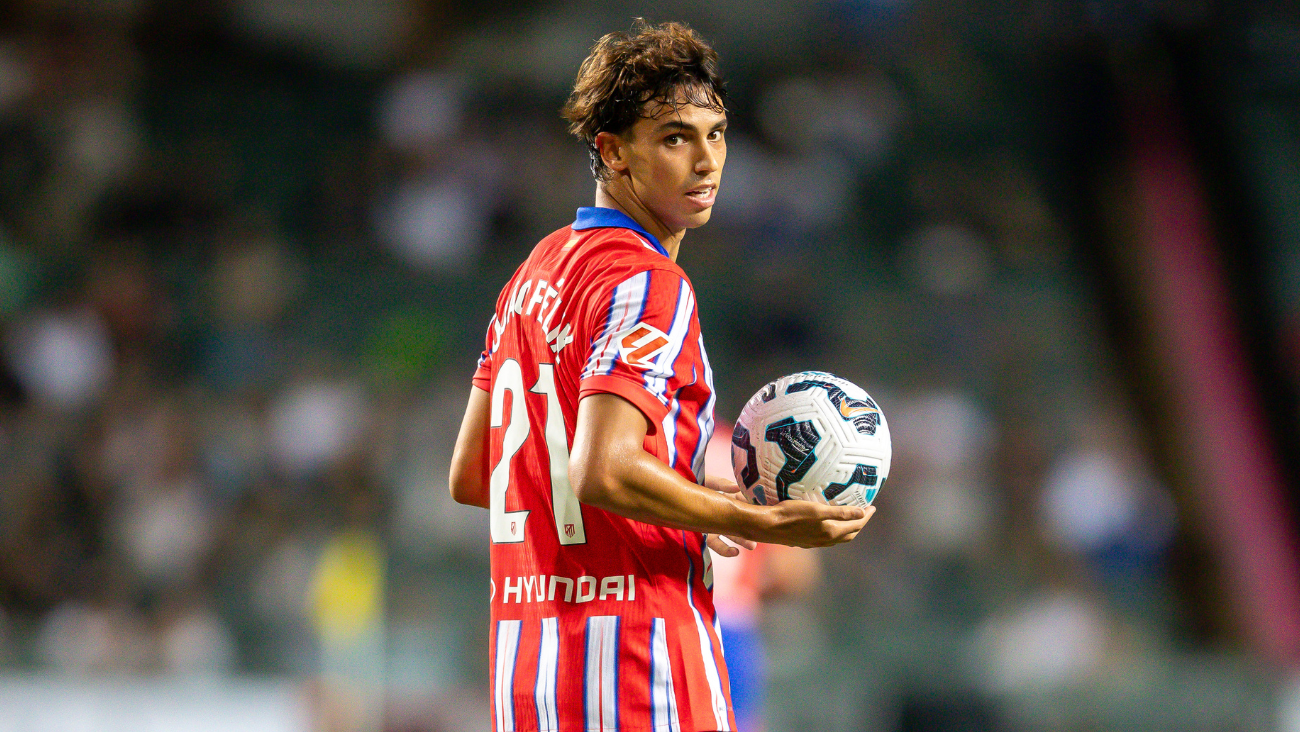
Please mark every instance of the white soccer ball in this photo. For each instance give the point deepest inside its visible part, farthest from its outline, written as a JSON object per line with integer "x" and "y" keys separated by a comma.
{"x": 811, "y": 436}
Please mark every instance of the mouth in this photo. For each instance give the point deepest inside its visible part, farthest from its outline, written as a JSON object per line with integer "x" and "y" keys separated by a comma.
{"x": 703, "y": 195}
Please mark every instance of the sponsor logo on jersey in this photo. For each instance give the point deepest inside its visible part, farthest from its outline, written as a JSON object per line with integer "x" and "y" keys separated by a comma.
{"x": 551, "y": 588}
{"x": 641, "y": 343}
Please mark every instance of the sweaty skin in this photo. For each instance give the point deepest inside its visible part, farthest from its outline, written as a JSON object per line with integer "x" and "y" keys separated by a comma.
{"x": 610, "y": 469}
{"x": 665, "y": 172}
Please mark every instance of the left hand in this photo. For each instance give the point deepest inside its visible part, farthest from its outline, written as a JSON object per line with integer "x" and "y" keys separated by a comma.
{"x": 714, "y": 541}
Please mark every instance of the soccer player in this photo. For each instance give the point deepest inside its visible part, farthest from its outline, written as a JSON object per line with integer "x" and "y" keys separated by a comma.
{"x": 590, "y": 410}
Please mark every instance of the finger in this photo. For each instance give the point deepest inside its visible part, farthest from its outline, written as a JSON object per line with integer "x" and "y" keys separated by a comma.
{"x": 840, "y": 529}
{"x": 836, "y": 529}
{"x": 721, "y": 484}
{"x": 845, "y": 527}
{"x": 871, "y": 511}
{"x": 862, "y": 518}
{"x": 745, "y": 543}
{"x": 738, "y": 541}
{"x": 842, "y": 539}
{"x": 738, "y": 497}
{"x": 720, "y": 547}
{"x": 841, "y": 513}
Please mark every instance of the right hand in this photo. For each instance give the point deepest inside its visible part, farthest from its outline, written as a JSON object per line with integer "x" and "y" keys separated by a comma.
{"x": 808, "y": 524}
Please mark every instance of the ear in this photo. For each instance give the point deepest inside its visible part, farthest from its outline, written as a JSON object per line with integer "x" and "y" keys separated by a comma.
{"x": 612, "y": 151}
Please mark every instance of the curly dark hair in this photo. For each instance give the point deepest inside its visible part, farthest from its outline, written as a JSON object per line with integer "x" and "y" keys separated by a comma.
{"x": 633, "y": 75}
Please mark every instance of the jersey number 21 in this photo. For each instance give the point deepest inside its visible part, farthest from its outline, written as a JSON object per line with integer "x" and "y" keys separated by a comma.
{"x": 508, "y": 526}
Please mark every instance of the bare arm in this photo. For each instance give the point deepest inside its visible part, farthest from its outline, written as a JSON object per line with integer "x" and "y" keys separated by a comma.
{"x": 469, "y": 461}
{"x": 610, "y": 469}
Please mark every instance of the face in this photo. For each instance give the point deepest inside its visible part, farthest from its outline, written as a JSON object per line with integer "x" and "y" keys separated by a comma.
{"x": 673, "y": 163}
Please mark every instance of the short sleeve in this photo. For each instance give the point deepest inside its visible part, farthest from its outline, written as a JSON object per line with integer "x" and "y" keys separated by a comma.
{"x": 483, "y": 372}
{"x": 640, "y": 333}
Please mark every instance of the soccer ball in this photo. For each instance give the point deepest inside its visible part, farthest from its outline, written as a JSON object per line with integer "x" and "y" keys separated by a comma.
{"x": 811, "y": 436}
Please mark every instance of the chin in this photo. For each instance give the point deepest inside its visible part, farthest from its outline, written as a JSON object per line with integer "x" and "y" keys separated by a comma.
{"x": 697, "y": 219}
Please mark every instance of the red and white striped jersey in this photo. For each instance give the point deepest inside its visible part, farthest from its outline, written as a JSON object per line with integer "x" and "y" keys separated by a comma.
{"x": 599, "y": 622}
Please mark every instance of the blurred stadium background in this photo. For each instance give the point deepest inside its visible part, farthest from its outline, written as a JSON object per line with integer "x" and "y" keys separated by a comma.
{"x": 248, "y": 249}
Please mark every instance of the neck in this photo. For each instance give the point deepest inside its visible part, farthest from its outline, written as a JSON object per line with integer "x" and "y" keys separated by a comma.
{"x": 616, "y": 194}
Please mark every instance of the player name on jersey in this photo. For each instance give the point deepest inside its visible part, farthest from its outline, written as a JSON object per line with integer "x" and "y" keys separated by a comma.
{"x": 545, "y": 295}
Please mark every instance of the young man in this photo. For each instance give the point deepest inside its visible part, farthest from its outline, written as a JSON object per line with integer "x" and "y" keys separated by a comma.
{"x": 586, "y": 426}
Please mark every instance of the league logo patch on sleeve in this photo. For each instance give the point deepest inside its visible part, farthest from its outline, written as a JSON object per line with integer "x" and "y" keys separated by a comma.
{"x": 639, "y": 345}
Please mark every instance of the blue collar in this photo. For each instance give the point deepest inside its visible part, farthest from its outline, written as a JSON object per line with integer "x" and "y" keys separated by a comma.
{"x": 590, "y": 217}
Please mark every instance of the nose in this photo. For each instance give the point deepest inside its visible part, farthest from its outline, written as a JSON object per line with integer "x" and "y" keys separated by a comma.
{"x": 709, "y": 159}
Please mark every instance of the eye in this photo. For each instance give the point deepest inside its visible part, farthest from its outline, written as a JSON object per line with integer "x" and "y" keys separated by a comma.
{"x": 715, "y": 135}
{"x": 673, "y": 139}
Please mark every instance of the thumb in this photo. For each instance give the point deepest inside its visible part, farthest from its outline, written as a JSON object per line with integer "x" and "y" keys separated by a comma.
{"x": 846, "y": 513}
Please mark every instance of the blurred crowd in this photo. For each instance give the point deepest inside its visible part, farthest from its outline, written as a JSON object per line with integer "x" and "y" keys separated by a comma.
{"x": 248, "y": 250}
